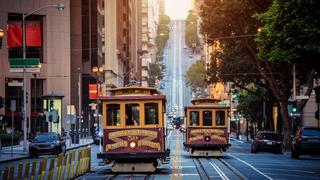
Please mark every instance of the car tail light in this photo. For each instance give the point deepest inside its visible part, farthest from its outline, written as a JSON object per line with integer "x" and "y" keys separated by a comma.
{"x": 278, "y": 142}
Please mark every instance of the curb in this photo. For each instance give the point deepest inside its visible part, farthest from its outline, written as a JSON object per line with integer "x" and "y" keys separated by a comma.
{"x": 27, "y": 156}
{"x": 14, "y": 159}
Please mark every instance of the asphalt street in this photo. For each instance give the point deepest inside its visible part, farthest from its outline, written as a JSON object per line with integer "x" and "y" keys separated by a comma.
{"x": 237, "y": 163}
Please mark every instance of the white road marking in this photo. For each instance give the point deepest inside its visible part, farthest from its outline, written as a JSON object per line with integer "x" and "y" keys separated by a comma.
{"x": 180, "y": 73}
{"x": 255, "y": 169}
{"x": 219, "y": 171}
{"x": 287, "y": 170}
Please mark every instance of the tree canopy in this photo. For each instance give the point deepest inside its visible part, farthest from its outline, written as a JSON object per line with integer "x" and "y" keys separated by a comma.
{"x": 196, "y": 75}
{"x": 289, "y": 34}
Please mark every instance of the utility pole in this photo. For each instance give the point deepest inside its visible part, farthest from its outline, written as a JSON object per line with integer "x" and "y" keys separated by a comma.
{"x": 78, "y": 129}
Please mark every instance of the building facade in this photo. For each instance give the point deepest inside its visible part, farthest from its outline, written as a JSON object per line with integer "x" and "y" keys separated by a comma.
{"x": 53, "y": 51}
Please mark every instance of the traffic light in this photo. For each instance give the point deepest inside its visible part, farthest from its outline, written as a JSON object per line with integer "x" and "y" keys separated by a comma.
{"x": 1, "y": 102}
{"x": 317, "y": 115}
{"x": 51, "y": 107}
{"x": 294, "y": 107}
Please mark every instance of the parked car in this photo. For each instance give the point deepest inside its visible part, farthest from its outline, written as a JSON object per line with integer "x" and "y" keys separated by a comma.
{"x": 306, "y": 141}
{"x": 266, "y": 140}
{"x": 46, "y": 143}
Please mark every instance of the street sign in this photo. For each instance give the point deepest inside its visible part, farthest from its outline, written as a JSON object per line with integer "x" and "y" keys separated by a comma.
{"x": 302, "y": 97}
{"x": 28, "y": 70}
{"x": 15, "y": 84}
{"x": 27, "y": 62}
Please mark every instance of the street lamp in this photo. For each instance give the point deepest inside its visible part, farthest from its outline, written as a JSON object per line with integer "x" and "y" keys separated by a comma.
{"x": 58, "y": 6}
{"x": 98, "y": 71}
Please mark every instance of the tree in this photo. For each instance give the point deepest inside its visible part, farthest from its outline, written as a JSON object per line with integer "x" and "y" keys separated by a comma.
{"x": 196, "y": 76}
{"x": 235, "y": 24}
{"x": 162, "y": 34}
{"x": 155, "y": 73}
{"x": 290, "y": 35}
{"x": 191, "y": 30}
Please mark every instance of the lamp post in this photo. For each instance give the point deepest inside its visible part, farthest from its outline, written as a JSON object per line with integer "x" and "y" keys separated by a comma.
{"x": 98, "y": 71}
{"x": 60, "y": 7}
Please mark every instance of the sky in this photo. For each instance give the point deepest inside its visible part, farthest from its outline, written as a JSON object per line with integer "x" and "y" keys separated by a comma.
{"x": 177, "y": 9}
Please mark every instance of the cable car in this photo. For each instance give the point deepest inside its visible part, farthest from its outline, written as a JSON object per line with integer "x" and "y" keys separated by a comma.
{"x": 206, "y": 128}
{"x": 133, "y": 129}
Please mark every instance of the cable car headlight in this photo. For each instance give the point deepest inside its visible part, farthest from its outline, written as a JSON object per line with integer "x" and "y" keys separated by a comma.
{"x": 132, "y": 145}
{"x": 207, "y": 138}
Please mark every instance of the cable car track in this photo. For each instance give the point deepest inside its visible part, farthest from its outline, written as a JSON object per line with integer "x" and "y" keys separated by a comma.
{"x": 218, "y": 165}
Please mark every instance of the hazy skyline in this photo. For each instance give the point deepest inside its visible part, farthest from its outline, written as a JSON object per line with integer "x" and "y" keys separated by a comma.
{"x": 177, "y": 9}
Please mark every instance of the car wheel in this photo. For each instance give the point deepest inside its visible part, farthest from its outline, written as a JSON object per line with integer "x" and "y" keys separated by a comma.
{"x": 294, "y": 154}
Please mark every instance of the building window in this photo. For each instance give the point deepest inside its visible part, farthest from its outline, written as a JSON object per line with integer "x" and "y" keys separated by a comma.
{"x": 132, "y": 114}
{"x": 194, "y": 118}
{"x": 207, "y": 118}
{"x": 151, "y": 113}
{"x": 113, "y": 115}
{"x": 34, "y": 36}
{"x": 220, "y": 118}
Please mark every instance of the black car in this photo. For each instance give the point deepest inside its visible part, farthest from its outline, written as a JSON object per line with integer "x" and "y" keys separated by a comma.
{"x": 265, "y": 140}
{"x": 306, "y": 141}
{"x": 46, "y": 143}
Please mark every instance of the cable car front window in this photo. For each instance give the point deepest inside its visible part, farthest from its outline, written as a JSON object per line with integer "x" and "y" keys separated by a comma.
{"x": 194, "y": 118}
{"x": 220, "y": 118}
{"x": 207, "y": 118}
{"x": 151, "y": 113}
{"x": 113, "y": 115}
{"x": 132, "y": 114}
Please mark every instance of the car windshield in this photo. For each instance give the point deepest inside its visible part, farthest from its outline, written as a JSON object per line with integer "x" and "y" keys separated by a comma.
{"x": 46, "y": 138}
{"x": 270, "y": 136}
{"x": 311, "y": 132}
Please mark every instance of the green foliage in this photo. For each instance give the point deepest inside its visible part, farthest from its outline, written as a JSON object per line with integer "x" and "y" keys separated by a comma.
{"x": 249, "y": 105}
{"x": 155, "y": 70}
{"x": 164, "y": 19}
{"x": 290, "y": 32}
{"x": 191, "y": 29}
{"x": 195, "y": 76}
{"x": 162, "y": 34}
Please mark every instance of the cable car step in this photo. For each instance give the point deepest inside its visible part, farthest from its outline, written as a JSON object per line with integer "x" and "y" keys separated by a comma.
{"x": 203, "y": 153}
{"x": 133, "y": 167}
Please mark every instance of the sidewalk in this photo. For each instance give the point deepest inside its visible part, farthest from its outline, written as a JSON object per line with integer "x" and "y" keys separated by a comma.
{"x": 242, "y": 138}
{"x": 5, "y": 152}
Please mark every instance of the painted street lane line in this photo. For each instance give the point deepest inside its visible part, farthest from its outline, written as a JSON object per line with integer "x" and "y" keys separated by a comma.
{"x": 255, "y": 169}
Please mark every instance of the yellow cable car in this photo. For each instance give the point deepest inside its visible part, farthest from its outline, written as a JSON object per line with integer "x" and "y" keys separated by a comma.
{"x": 133, "y": 129}
{"x": 206, "y": 127}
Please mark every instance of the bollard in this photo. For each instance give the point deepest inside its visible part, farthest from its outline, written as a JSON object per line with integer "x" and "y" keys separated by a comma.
{"x": 69, "y": 165}
{"x": 5, "y": 173}
{"x": 33, "y": 170}
{"x": 51, "y": 168}
{"x": 20, "y": 167}
{"x": 42, "y": 169}
{"x": 26, "y": 170}
{"x": 11, "y": 172}
{"x": 57, "y": 171}
{"x": 89, "y": 156}
{"x": 78, "y": 162}
{"x": 64, "y": 164}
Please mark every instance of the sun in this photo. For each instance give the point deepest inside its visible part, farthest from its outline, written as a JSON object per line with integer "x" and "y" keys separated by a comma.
{"x": 177, "y": 9}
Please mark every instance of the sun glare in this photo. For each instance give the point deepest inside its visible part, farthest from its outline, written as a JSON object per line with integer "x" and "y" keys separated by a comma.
{"x": 177, "y": 9}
